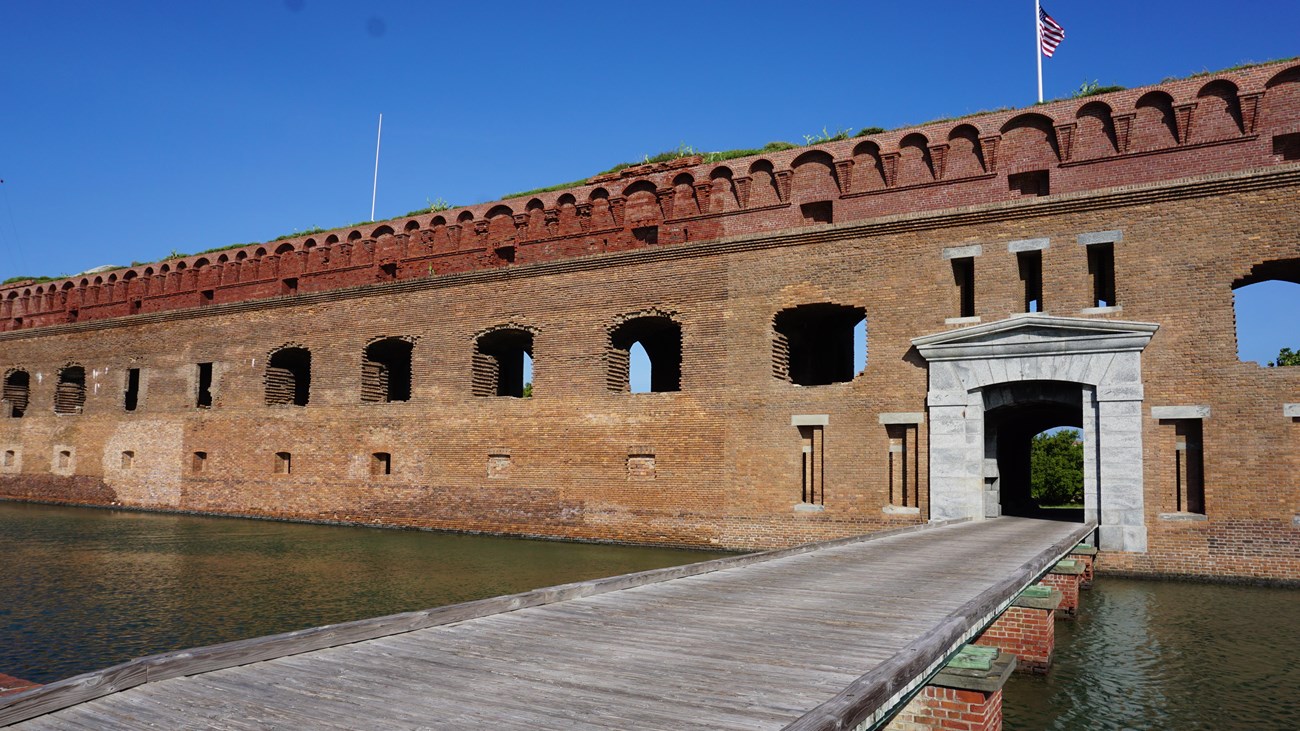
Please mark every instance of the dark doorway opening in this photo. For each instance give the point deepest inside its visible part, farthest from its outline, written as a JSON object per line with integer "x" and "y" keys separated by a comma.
{"x": 1036, "y": 480}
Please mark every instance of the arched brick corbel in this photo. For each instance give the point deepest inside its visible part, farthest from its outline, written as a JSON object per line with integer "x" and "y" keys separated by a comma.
{"x": 989, "y": 149}
{"x": 584, "y": 215}
{"x": 521, "y": 226}
{"x": 665, "y": 198}
{"x": 551, "y": 220}
{"x": 1123, "y": 130}
{"x": 889, "y": 167}
{"x": 1249, "y": 110}
{"x": 783, "y": 180}
{"x": 453, "y": 233}
{"x": 844, "y": 175}
{"x": 1065, "y": 139}
{"x": 742, "y": 190}
{"x": 616, "y": 209}
{"x": 1183, "y": 119}
{"x": 702, "y": 192}
{"x": 939, "y": 158}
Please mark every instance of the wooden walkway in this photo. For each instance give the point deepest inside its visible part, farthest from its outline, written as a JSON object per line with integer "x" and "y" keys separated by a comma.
{"x": 807, "y": 638}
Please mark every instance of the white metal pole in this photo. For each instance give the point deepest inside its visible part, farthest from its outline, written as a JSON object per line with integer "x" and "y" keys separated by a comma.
{"x": 375, "y": 188}
{"x": 1038, "y": 46}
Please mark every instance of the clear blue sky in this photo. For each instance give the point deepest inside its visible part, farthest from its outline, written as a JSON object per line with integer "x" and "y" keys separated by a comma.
{"x": 131, "y": 129}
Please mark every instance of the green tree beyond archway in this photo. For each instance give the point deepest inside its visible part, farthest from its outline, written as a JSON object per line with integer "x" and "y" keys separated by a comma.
{"x": 1056, "y": 465}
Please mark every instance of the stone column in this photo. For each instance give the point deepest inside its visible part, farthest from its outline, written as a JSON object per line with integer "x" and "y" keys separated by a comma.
{"x": 956, "y": 462}
{"x": 1119, "y": 437}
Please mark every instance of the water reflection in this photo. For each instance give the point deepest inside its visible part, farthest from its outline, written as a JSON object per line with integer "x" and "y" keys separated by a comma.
{"x": 1164, "y": 655}
{"x": 83, "y": 589}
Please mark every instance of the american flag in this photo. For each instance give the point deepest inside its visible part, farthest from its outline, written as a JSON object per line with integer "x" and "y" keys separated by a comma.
{"x": 1049, "y": 32}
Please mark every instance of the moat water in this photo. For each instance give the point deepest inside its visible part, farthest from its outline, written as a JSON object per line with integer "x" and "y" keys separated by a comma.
{"x": 1168, "y": 655}
{"x": 82, "y": 589}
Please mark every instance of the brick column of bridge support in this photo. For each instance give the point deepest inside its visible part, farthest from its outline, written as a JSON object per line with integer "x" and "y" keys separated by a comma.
{"x": 1065, "y": 577}
{"x": 1086, "y": 554}
{"x": 1027, "y": 629}
{"x": 9, "y": 685}
{"x": 965, "y": 696}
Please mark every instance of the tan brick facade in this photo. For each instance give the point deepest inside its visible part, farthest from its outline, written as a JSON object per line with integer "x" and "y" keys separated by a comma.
{"x": 1201, "y": 195}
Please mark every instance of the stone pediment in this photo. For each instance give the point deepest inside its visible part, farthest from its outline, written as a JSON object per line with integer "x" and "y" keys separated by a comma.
{"x": 1033, "y": 334}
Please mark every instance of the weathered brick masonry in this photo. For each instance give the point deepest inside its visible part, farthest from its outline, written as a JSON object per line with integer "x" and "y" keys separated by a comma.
{"x": 1195, "y": 183}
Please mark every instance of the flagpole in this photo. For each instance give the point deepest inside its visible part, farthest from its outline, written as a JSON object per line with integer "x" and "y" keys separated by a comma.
{"x": 375, "y": 188}
{"x": 1038, "y": 45}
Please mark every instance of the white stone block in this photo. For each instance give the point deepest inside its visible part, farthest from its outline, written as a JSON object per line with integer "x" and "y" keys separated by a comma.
{"x": 903, "y": 417}
{"x": 1180, "y": 412}
{"x": 1101, "y": 237}
{"x": 1020, "y": 245}
{"x": 963, "y": 252}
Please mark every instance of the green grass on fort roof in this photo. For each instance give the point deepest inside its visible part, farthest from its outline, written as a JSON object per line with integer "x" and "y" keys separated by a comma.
{"x": 34, "y": 280}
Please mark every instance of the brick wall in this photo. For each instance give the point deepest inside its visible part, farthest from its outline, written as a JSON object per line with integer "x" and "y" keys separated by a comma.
{"x": 1027, "y": 633}
{"x": 950, "y": 709}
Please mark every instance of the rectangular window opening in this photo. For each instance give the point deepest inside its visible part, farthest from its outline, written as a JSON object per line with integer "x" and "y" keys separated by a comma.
{"x": 381, "y": 463}
{"x": 1031, "y": 273}
{"x": 1031, "y": 182}
{"x": 1189, "y": 466}
{"x": 1288, "y": 146}
{"x": 136, "y": 306}
{"x": 289, "y": 286}
{"x": 198, "y": 461}
{"x": 1101, "y": 267}
{"x": 204, "y": 397}
{"x": 963, "y": 274}
{"x": 132, "y": 397}
{"x": 283, "y": 463}
{"x": 817, "y": 212}
{"x": 206, "y": 297}
{"x": 812, "y": 489}
{"x": 128, "y": 459}
{"x": 646, "y": 234}
{"x": 64, "y": 459}
{"x": 10, "y": 458}
{"x": 903, "y": 466}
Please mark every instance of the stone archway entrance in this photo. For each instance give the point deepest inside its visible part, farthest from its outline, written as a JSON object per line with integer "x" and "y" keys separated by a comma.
{"x": 1013, "y": 414}
{"x": 991, "y": 381}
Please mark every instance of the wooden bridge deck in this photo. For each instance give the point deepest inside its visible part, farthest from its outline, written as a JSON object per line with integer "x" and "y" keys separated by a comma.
{"x": 798, "y": 639}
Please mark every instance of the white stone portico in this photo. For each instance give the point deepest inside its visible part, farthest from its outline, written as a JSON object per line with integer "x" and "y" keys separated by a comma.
{"x": 1103, "y": 358}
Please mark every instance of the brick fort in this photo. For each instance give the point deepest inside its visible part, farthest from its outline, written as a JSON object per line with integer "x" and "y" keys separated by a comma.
{"x": 1072, "y": 264}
